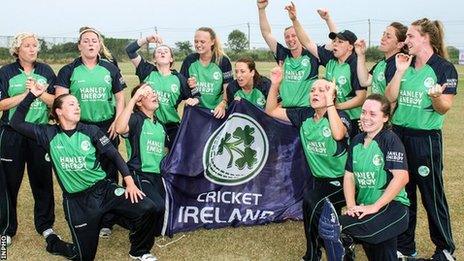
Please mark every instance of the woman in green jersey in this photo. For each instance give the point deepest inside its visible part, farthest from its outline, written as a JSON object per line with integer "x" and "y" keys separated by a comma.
{"x": 209, "y": 70}
{"x": 323, "y": 133}
{"x": 423, "y": 88}
{"x": 391, "y": 43}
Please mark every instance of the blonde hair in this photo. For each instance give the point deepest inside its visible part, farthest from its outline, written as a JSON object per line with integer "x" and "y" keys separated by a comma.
{"x": 217, "y": 47}
{"x": 18, "y": 40}
{"x": 436, "y": 33}
{"x": 103, "y": 50}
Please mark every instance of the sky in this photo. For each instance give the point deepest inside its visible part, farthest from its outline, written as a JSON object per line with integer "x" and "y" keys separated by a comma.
{"x": 176, "y": 20}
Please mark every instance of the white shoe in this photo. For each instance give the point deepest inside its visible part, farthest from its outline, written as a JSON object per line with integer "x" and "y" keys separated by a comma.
{"x": 105, "y": 232}
{"x": 403, "y": 257}
{"x": 145, "y": 257}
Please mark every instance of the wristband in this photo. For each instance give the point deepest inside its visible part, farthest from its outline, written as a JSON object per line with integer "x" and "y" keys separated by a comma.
{"x": 328, "y": 106}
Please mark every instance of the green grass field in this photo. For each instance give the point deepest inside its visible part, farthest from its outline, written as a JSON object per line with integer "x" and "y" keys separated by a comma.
{"x": 283, "y": 241}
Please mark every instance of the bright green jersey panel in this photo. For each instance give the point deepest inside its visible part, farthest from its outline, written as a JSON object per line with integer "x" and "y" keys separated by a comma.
{"x": 75, "y": 162}
{"x": 38, "y": 111}
{"x": 321, "y": 149}
{"x": 168, "y": 89}
{"x": 209, "y": 80}
{"x": 370, "y": 175}
{"x": 256, "y": 97}
{"x": 341, "y": 73}
{"x": 295, "y": 86}
{"x": 379, "y": 83}
{"x": 152, "y": 150}
{"x": 93, "y": 90}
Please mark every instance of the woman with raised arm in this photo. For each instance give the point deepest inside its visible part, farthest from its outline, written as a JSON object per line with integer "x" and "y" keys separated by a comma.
{"x": 323, "y": 133}
{"x": 209, "y": 70}
{"x": 391, "y": 43}
{"x": 423, "y": 88}
{"x": 340, "y": 62}
{"x": 75, "y": 150}
{"x": 171, "y": 87}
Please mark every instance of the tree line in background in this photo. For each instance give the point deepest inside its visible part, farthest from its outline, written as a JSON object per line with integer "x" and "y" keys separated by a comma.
{"x": 237, "y": 46}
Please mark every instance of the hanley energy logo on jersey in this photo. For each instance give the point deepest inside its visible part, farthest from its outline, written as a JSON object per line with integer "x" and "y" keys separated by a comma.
{"x": 236, "y": 152}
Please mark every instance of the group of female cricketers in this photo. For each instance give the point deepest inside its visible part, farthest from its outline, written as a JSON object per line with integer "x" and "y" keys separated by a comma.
{"x": 378, "y": 148}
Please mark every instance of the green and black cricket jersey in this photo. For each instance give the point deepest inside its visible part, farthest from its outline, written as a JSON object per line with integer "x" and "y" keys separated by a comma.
{"x": 94, "y": 88}
{"x": 75, "y": 154}
{"x": 171, "y": 90}
{"x": 326, "y": 156}
{"x": 147, "y": 141}
{"x": 257, "y": 96}
{"x": 414, "y": 106}
{"x": 345, "y": 76}
{"x": 13, "y": 82}
{"x": 299, "y": 75}
{"x": 382, "y": 73}
{"x": 372, "y": 165}
{"x": 210, "y": 78}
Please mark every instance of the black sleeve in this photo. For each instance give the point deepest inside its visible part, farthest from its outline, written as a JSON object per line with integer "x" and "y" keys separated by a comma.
{"x": 446, "y": 73}
{"x": 184, "y": 69}
{"x": 231, "y": 89}
{"x": 131, "y": 49}
{"x": 264, "y": 85}
{"x": 30, "y": 130}
{"x": 117, "y": 79}
{"x": 298, "y": 115}
{"x": 144, "y": 69}
{"x": 345, "y": 120}
{"x": 281, "y": 53}
{"x": 185, "y": 91}
{"x": 394, "y": 152}
{"x": 355, "y": 85}
{"x": 104, "y": 147}
{"x": 390, "y": 71}
{"x": 64, "y": 76}
{"x": 3, "y": 85}
{"x": 226, "y": 69}
{"x": 324, "y": 55}
{"x": 51, "y": 78}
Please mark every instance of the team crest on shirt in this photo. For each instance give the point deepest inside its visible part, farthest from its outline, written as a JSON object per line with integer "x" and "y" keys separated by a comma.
{"x": 42, "y": 81}
{"x": 429, "y": 83}
{"x": 47, "y": 157}
{"x": 174, "y": 88}
{"x": 381, "y": 77}
{"x": 326, "y": 132}
{"x": 305, "y": 62}
{"x": 107, "y": 79}
{"x": 85, "y": 145}
{"x": 236, "y": 152}
{"x": 342, "y": 80}
{"x": 216, "y": 76}
{"x": 377, "y": 160}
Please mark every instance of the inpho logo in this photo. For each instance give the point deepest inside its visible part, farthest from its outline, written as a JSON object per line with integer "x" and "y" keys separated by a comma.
{"x": 236, "y": 152}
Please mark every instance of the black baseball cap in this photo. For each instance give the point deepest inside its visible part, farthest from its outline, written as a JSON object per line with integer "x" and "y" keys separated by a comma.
{"x": 345, "y": 35}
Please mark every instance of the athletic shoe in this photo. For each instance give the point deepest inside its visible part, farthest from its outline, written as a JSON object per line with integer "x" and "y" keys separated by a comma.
{"x": 56, "y": 246}
{"x": 144, "y": 257}
{"x": 443, "y": 255}
{"x": 105, "y": 232}
{"x": 404, "y": 257}
{"x": 8, "y": 241}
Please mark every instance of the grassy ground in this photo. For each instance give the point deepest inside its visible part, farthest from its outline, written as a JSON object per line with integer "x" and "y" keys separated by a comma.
{"x": 284, "y": 241}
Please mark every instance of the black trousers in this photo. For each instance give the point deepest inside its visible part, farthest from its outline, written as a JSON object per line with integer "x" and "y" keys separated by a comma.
{"x": 15, "y": 151}
{"x": 377, "y": 232}
{"x": 84, "y": 212}
{"x": 424, "y": 150}
{"x": 313, "y": 201}
{"x": 4, "y": 203}
{"x": 152, "y": 185}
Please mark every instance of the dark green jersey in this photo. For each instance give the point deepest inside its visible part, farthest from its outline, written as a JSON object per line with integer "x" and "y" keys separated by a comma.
{"x": 382, "y": 73}
{"x": 299, "y": 75}
{"x": 414, "y": 106}
{"x": 372, "y": 165}
{"x": 345, "y": 76}
{"x": 326, "y": 157}
{"x": 209, "y": 78}
{"x": 257, "y": 96}
{"x": 147, "y": 139}
{"x": 94, "y": 88}
{"x": 171, "y": 90}
{"x": 13, "y": 82}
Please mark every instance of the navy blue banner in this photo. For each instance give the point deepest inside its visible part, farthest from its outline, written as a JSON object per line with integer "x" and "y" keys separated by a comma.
{"x": 247, "y": 169}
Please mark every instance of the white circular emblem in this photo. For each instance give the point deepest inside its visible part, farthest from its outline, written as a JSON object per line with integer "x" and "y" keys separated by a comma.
{"x": 216, "y": 75}
{"x": 107, "y": 79}
{"x": 305, "y": 62}
{"x": 341, "y": 80}
{"x": 42, "y": 81}
{"x": 377, "y": 160}
{"x": 174, "y": 88}
{"x": 236, "y": 152}
{"x": 326, "y": 132}
{"x": 424, "y": 171}
{"x": 381, "y": 77}
{"x": 119, "y": 191}
{"x": 47, "y": 157}
{"x": 429, "y": 83}
{"x": 85, "y": 145}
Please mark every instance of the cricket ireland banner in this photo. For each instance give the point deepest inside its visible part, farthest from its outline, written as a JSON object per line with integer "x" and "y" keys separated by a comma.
{"x": 247, "y": 169}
